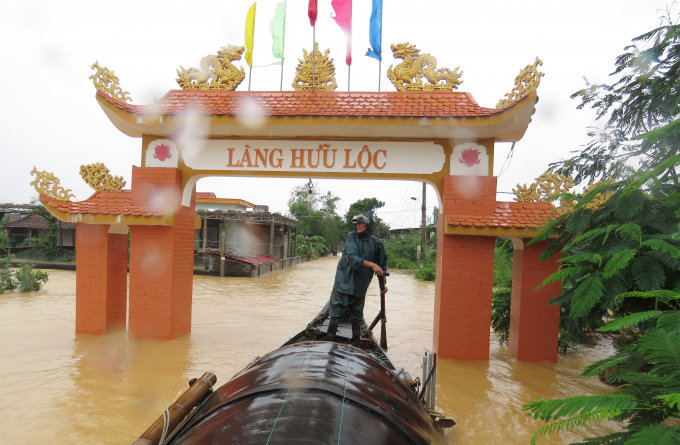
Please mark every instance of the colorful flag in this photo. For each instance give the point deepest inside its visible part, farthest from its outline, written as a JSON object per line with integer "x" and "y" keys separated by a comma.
{"x": 311, "y": 12}
{"x": 375, "y": 31}
{"x": 278, "y": 28}
{"x": 250, "y": 31}
{"x": 343, "y": 17}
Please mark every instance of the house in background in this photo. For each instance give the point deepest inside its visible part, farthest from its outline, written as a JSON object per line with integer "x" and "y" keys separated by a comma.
{"x": 19, "y": 225}
{"x": 237, "y": 236}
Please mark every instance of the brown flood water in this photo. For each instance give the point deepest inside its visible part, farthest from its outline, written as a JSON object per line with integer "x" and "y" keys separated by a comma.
{"x": 60, "y": 388}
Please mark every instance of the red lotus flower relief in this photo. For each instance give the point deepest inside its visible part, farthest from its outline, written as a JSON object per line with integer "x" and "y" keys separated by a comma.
{"x": 162, "y": 152}
{"x": 470, "y": 157}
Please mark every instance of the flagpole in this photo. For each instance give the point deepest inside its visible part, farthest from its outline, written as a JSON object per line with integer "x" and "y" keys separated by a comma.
{"x": 250, "y": 76}
{"x": 382, "y": 13}
{"x": 313, "y": 61}
{"x": 281, "y": 87}
{"x": 349, "y": 72}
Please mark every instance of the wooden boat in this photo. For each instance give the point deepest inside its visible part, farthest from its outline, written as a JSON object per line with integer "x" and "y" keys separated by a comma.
{"x": 308, "y": 391}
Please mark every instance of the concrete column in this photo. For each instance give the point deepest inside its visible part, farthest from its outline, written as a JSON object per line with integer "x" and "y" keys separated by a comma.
{"x": 534, "y": 325}
{"x": 464, "y": 283}
{"x": 101, "y": 279}
{"x": 161, "y": 259}
{"x": 271, "y": 239}
{"x": 286, "y": 243}
{"x": 223, "y": 242}
{"x": 463, "y": 287}
{"x": 204, "y": 222}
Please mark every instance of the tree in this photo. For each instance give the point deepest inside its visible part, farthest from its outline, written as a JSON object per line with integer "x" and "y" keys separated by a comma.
{"x": 622, "y": 263}
{"x": 48, "y": 245}
{"x": 380, "y": 229}
{"x": 644, "y": 96}
{"x": 622, "y": 259}
{"x": 316, "y": 218}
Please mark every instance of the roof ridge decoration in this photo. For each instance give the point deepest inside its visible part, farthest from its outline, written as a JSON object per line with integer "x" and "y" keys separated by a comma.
{"x": 98, "y": 177}
{"x": 546, "y": 186}
{"x": 318, "y": 74}
{"x": 416, "y": 66}
{"x": 550, "y": 184}
{"x": 216, "y": 73}
{"x": 527, "y": 80}
{"x": 47, "y": 184}
{"x": 105, "y": 81}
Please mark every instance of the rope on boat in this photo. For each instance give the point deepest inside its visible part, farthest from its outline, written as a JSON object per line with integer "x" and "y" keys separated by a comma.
{"x": 166, "y": 424}
{"x": 379, "y": 357}
{"x": 344, "y": 394}
{"x": 286, "y": 398}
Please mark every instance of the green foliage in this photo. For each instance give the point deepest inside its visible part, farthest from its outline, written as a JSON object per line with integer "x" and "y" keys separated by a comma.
{"x": 4, "y": 239}
{"x": 625, "y": 266}
{"x": 26, "y": 279}
{"x": 318, "y": 218}
{"x": 402, "y": 253}
{"x": 6, "y": 276}
{"x": 500, "y": 313}
{"x": 502, "y": 263}
{"x": 314, "y": 246}
{"x": 48, "y": 245}
{"x": 29, "y": 279}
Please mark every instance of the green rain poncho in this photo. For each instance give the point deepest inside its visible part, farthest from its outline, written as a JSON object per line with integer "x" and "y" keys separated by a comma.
{"x": 351, "y": 277}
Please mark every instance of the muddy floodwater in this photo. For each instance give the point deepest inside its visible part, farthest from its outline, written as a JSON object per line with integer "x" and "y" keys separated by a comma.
{"x": 60, "y": 388}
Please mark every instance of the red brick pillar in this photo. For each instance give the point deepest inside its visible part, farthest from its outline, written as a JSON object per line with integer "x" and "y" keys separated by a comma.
{"x": 101, "y": 279}
{"x": 464, "y": 283}
{"x": 534, "y": 325}
{"x": 161, "y": 259}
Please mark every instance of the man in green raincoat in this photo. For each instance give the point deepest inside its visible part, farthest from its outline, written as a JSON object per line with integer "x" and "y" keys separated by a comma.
{"x": 363, "y": 256}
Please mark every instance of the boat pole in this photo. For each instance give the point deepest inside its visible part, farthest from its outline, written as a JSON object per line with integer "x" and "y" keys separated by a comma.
{"x": 383, "y": 318}
{"x": 175, "y": 413}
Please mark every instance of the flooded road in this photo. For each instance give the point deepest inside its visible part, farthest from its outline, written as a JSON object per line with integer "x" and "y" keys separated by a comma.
{"x": 60, "y": 388}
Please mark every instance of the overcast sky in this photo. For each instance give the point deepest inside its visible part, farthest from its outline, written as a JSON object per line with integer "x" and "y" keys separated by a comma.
{"x": 49, "y": 117}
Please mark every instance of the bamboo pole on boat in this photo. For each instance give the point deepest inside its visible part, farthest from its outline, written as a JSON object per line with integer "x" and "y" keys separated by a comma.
{"x": 178, "y": 410}
{"x": 383, "y": 328}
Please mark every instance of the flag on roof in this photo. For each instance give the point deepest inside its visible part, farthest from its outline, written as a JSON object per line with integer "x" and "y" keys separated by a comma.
{"x": 278, "y": 28}
{"x": 375, "y": 31}
{"x": 250, "y": 31}
{"x": 311, "y": 12}
{"x": 343, "y": 17}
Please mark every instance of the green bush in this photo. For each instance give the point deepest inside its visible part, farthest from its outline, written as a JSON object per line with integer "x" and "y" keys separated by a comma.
{"x": 500, "y": 313}
{"x": 29, "y": 279}
{"x": 426, "y": 272}
{"x": 6, "y": 276}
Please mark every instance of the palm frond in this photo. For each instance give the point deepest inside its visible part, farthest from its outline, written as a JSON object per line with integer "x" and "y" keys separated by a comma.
{"x": 656, "y": 435}
{"x": 630, "y": 231}
{"x": 562, "y": 274}
{"x": 663, "y": 350}
{"x": 671, "y": 400}
{"x": 619, "y": 262}
{"x": 630, "y": 320}
{"x": 586, "y": 295}
{"x": 663, "y": 246}
{"x": 572, "y": 423}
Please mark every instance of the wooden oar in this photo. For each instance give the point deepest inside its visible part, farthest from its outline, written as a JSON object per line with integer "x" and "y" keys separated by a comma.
{"x": 383, "y": 318}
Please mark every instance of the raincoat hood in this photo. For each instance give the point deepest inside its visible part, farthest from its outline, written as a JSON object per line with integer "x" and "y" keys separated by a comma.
{"x": 366, "y": 218}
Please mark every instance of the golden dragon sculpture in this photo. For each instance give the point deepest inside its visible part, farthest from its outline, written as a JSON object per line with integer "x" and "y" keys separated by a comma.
{"x": 216, "y": 73}
{"x": 408, "y": 75}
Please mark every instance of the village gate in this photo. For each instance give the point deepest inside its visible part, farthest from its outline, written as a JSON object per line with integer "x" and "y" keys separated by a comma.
{"x": 443, "y": 138}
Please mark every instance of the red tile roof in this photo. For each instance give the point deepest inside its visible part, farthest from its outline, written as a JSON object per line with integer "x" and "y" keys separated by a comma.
{"x": 253, "y": 260}
{"x": 36, "y": 222}
{"x": 205, "y": 195}
{"x": 509, "y": 214}
{"x": 108, "y": 203}
{"x": 305, "y": 103}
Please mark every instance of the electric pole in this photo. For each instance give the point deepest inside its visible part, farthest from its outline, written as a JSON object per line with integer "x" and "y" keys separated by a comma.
{"x": 422, "y": 228}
